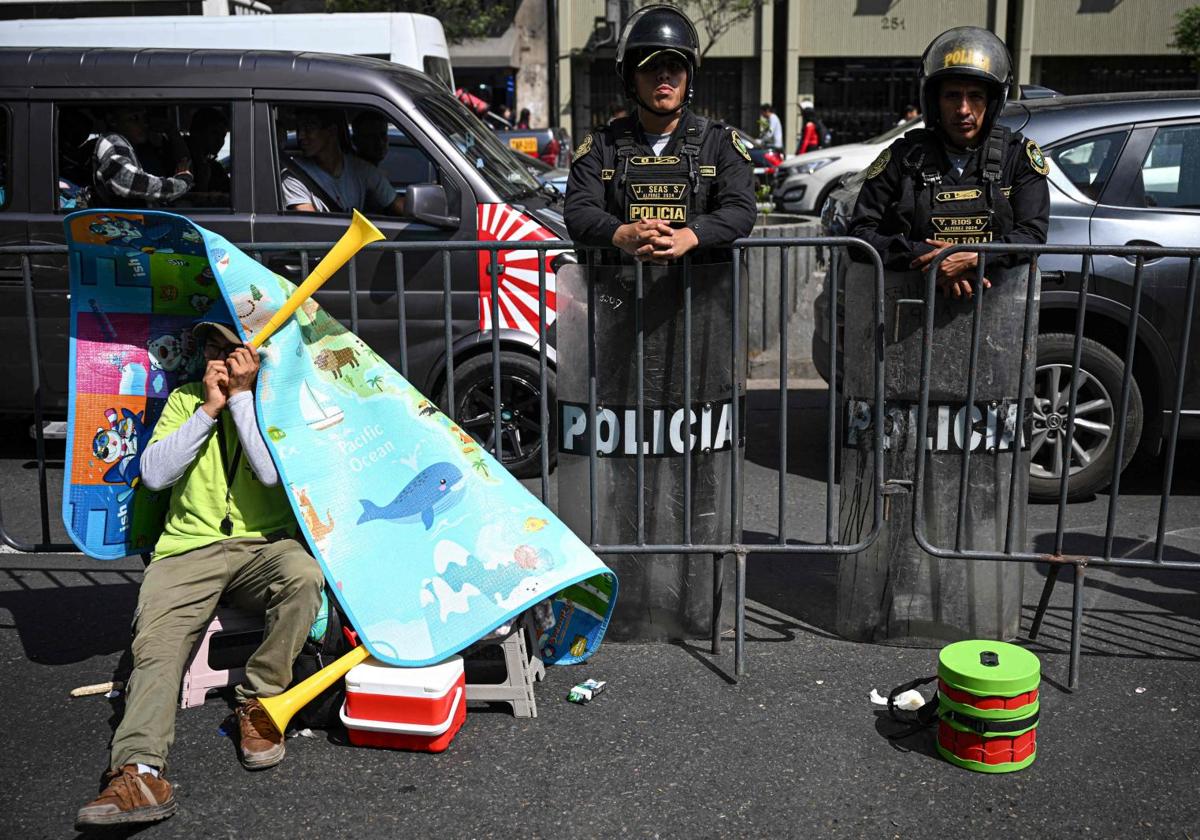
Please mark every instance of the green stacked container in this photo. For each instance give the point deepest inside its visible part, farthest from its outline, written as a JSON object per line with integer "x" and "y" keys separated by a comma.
{"x": 988, "y": 705}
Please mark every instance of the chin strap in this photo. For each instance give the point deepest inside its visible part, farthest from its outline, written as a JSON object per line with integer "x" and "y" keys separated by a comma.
{"x": 631, "y": 92}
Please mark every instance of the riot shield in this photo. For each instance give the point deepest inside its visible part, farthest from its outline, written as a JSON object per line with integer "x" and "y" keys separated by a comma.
{"x": 667, "y": 595}
{"x": 894, "y": 590}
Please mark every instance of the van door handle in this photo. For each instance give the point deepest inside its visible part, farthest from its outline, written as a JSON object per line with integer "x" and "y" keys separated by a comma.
{"x": 284, "y": 267}
{"x": 1142, "y": 243}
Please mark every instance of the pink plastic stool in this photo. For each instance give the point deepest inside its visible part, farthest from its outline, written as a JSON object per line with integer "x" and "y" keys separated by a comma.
{"x": 199, "y": 677}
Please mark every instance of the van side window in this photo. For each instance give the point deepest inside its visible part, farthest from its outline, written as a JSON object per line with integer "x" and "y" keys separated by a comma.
{"x": 5, "y": 147}
{"x": 137, "y": 154}
{"x": 333, "y": 160}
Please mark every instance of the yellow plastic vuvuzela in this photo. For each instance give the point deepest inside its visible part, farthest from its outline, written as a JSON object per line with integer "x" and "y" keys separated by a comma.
{"x": 281, "y": 707}
{"x": 361, "y": 232}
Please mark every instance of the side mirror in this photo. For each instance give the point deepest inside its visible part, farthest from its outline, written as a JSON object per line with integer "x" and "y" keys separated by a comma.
{"x": 427, "y": 203}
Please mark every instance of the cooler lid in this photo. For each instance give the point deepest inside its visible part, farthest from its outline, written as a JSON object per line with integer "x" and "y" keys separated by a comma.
{"x": 984, "y": 667}
{"x": 373, "y": 677}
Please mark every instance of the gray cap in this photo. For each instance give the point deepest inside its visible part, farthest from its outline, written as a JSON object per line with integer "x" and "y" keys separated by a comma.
{"x": 224, "y": 329}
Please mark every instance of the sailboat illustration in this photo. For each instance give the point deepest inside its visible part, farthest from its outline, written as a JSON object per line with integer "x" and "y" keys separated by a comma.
{"x": 317, "y": 409}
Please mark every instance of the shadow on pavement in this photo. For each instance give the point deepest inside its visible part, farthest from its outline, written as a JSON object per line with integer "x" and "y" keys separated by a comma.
{"x": 807, "y": 431}
{"x": 907, "y": 737}
{"x": 798, "y": 586}
{"x": 1148, "y": 614}
{"x": 59, "y": 625}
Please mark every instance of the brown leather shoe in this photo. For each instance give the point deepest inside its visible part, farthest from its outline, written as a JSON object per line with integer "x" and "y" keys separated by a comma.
{"x": 262, "y": 743}
{"x": 129, "y": 797}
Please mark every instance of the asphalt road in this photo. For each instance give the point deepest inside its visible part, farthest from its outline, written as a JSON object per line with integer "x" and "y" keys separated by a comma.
{"x": 676, "y": 747}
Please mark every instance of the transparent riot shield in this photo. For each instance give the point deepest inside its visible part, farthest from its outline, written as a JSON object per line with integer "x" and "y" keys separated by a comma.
{"x": 685, "y": 435}
{"x": 894, "y": 590}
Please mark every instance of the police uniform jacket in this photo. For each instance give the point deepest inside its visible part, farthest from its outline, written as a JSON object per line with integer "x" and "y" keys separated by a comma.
{"x": 912, "y": 192}
{"x": 617, "y": 178}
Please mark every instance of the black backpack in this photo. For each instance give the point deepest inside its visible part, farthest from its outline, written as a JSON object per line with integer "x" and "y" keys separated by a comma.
{"x": 324, "y": 711}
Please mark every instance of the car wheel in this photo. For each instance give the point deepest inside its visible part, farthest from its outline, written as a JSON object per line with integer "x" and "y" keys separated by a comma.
{"x": 520, "y": 408}
{"x": 1093, "y": 442}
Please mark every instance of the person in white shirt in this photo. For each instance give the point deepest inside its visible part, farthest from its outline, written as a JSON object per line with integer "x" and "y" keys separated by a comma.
{"x": 774, "y": 133}
{"x": 329, "y": 179}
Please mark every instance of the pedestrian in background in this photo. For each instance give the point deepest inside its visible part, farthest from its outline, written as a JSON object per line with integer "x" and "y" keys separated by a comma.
{"x": 811, "y": 135}
{"x": 772, "y": 136}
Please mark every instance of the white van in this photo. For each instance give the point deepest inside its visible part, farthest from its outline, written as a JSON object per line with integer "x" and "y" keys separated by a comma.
{"x": 416, "y": 41}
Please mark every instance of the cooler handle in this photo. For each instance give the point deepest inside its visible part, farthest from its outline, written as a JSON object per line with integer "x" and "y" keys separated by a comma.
{"x": 404, "y": 728}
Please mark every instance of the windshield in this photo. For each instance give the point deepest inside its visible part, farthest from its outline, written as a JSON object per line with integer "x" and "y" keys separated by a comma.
{"x": 480, "y": 146}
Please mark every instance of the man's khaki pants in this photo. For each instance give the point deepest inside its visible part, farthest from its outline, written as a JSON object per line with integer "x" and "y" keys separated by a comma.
{"x": 175, "y": 603}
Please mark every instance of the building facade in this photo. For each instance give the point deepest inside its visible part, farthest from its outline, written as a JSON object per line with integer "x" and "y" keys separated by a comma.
{"x": 857, "y": 61}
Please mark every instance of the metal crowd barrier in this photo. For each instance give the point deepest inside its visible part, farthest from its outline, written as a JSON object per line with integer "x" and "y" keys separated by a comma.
{"x": 734, "y": 545}
{"x": 1057, "y": 559}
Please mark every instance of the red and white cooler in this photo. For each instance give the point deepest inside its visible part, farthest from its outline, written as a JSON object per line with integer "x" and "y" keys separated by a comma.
{"x": 405, "y": 708}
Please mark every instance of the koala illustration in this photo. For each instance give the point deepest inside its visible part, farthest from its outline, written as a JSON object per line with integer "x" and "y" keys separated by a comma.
{"x": 166, "y": 352}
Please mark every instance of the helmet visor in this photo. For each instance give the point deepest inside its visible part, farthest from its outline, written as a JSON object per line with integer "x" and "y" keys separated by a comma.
{"x": 656, "y": 56}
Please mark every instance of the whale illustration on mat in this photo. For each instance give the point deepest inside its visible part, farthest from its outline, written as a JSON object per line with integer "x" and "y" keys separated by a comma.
{"x": 436, "y": 489}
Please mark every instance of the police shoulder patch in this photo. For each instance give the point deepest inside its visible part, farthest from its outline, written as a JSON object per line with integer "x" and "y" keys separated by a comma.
{"x": 880, "y": 163}
{"x": 584, "y": 147}
{"x": 1036, "y": 159}
{"x": 738, "y": 144}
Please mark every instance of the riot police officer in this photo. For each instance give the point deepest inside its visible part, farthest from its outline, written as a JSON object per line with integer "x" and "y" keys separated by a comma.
{"x": 964, "y": 178}
{"x": 667, "y": 181}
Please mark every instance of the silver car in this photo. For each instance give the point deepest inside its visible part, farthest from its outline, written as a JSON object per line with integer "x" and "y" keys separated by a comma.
{"x": 1124, "y": 170}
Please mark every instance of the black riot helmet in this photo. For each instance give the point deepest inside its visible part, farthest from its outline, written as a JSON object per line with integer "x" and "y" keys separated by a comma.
{"x": 650, "y": 31}
{"x": 966, "y": 52}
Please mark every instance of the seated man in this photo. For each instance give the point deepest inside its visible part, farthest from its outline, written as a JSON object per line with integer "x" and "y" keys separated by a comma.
{"x": 120, "y": 179}
{"x": 228, "y": 533}
{"x": 328, "y": 179}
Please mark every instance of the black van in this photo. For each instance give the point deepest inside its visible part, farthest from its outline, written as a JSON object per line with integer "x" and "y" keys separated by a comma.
{"x": 458, "y": 180}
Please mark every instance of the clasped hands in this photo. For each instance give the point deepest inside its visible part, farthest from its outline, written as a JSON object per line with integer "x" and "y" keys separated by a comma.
{"x": 654, "y": 241}
{"x": 225, "y": 377}
{"x": 955, "y": 272}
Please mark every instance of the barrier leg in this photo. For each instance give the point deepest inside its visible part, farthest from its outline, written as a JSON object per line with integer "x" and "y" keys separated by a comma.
{"x": 1076, "y": 627}
{"x": 1051, "y": 579}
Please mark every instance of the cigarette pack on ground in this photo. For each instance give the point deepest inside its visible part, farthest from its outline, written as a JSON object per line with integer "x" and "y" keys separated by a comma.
{"x": 405, "y": 708}
{"x": 585, "y": 691}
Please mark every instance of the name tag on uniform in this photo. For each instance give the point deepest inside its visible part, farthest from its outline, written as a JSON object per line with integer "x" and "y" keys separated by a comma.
{"x": 962, "y": 229}
{"x": 959, "y": 195}
{"x": 708, "y": 172}
{"x": 607, "y": 174}
{"x": 663, "y": 212}
{"x": 668, "y": 160}
{"x": 658, "y": 192}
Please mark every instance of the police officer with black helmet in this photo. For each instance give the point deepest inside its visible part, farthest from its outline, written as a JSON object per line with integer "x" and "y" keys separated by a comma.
{"x": 964, "y": 178}
{"x": 664, "y": 182}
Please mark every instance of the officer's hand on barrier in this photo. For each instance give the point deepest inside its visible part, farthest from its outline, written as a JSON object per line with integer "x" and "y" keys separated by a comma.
{"x": 635, "y": 237}
{"x": 955, "y": 272}
{"x": 671, "y": 244}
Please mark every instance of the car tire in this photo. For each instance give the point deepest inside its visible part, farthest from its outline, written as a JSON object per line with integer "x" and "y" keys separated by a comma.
{"x": 520, "y": 391}
{"x": 1099, "y": 396}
